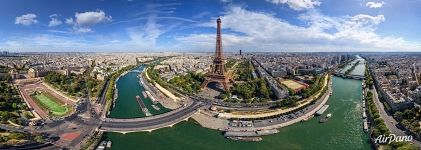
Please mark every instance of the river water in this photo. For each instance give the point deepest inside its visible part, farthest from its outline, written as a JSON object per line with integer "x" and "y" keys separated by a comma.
{"x": 360, "y": 70}
{"x": 126, "y": 105}
{"x": 343, "y": 131}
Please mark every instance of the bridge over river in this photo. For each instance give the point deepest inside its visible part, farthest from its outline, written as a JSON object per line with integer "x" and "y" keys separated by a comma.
{"x": 153, "y": 122}
{"x": 350, "y": 76}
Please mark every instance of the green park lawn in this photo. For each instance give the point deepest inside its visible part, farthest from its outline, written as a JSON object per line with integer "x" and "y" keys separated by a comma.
{"x": 50, "y": 103}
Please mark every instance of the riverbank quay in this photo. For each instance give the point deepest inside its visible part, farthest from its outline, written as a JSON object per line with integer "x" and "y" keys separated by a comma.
{"x": 160, "y": 88}
{"x": 270, "y": 113}
{"x": 212, "y": 120}
{"x": 208, "y": 120}
{"x": 162, "y": 99}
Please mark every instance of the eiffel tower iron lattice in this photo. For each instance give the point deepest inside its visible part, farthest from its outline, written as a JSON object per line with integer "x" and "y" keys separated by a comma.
{"x": 217, "y": 73}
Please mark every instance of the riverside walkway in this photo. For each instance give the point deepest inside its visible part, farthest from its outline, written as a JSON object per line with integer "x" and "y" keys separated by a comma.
{"x": 278, "y": 111}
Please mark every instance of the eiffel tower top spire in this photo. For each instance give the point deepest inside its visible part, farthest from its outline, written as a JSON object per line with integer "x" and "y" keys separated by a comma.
{"x": 218, "y": 49}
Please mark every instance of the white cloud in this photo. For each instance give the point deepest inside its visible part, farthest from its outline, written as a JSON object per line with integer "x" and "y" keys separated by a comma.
{"x": 264, "y": 32}
{"x": 69, "y": 21}
{"x": 115, "y": 41}
{"x": 82, "y": 29}
{"x": 26, "y": 19}
{"x": 158, "y": 22}
{"x": 298, "y": 4}
{"x": 145, "y": 36}
{"x": 91, "y": 18}
{"x": 367, "y": 18}
{"x": 12, "y": 43}
{"x": 44, "y": 42}
{"x": 374, "y": 4}
{"x": 54, "y": 21}
{"x": 226, "y": 1}
{"x": 83, "y": 22}
{"x": 242, "y": 29}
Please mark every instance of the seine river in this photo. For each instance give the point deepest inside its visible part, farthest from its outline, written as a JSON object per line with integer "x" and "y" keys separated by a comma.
{"x": 126, "y": 104}
{"x": 343, "y": 131}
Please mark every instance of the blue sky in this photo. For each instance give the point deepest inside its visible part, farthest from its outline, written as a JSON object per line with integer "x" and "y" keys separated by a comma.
{"x": 189, "y": 26}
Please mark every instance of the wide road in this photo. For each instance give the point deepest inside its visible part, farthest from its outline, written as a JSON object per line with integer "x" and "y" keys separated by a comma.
{"x": 148, "y": 124}
{"x": 388, "y": 119}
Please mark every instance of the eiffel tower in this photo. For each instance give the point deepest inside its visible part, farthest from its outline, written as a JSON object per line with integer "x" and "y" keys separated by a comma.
{"x": 217, "y": 73}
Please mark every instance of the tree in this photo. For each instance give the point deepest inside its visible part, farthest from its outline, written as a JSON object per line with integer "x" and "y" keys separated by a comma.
{"x": 4, "y": 115}
{"x": 405, "y": 123}
{"x": 378, "y": 121}
{"x": 398, "y": 116}
{"x": 376, "y": 114}
{"x": 16, "y": 135}
{"x": 28, "y": 115}
{"x": 39, "y": 138}
{"x": 383, "y": 129}
{"x": 263, "y": 90}
{"x": 408, "y": 114}
{"x": 375, "y": 132}
{"x": 402, "y": 146}
{"x": 14, "y": 105}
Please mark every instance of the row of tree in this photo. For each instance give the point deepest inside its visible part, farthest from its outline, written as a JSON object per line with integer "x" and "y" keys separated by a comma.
{"x": 112, "y": 79}
{"x": 315, "y": 86}
{"x": 11, "y": 104}
{"x": 190, "y": 82}
{"x": 155, "y": 77}
{"x": 244, "y": 71}
{"x": 72, "y": 84}
{"x": 251, "y": 89}
{"x": 17, "y": 138}
{"x": 368, "y": 78}
{"x": 379, "y": 127}
{"x": 14, "y": 109}
{"x": 410, "y": 120}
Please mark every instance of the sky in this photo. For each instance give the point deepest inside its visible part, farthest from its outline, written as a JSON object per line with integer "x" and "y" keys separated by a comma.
{"x": 190, "y": 25}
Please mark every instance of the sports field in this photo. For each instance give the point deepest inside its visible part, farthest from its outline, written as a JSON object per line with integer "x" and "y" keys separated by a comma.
{"x": 50, "y": 103}
{"x": 292, "y": 84}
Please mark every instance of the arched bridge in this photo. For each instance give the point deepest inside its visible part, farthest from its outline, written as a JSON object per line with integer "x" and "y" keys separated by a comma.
{"x": 350, "y": 76}
{"x": 153, "y": 122}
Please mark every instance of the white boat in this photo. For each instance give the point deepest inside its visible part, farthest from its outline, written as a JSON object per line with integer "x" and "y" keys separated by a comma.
{"x": 329, "y": 115}
{"x": 144, "y": 94}
{"x": 151, "y": 97}
{"x": 322, "y": 110}
{"x": 156, "y": 107}
{"x": 325, "y": 118}
{"x": 365, "y": 126}
{"x": 246, "y": 139}
{"x": 109, "y": 144}
{"x": 102, "y": 145}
